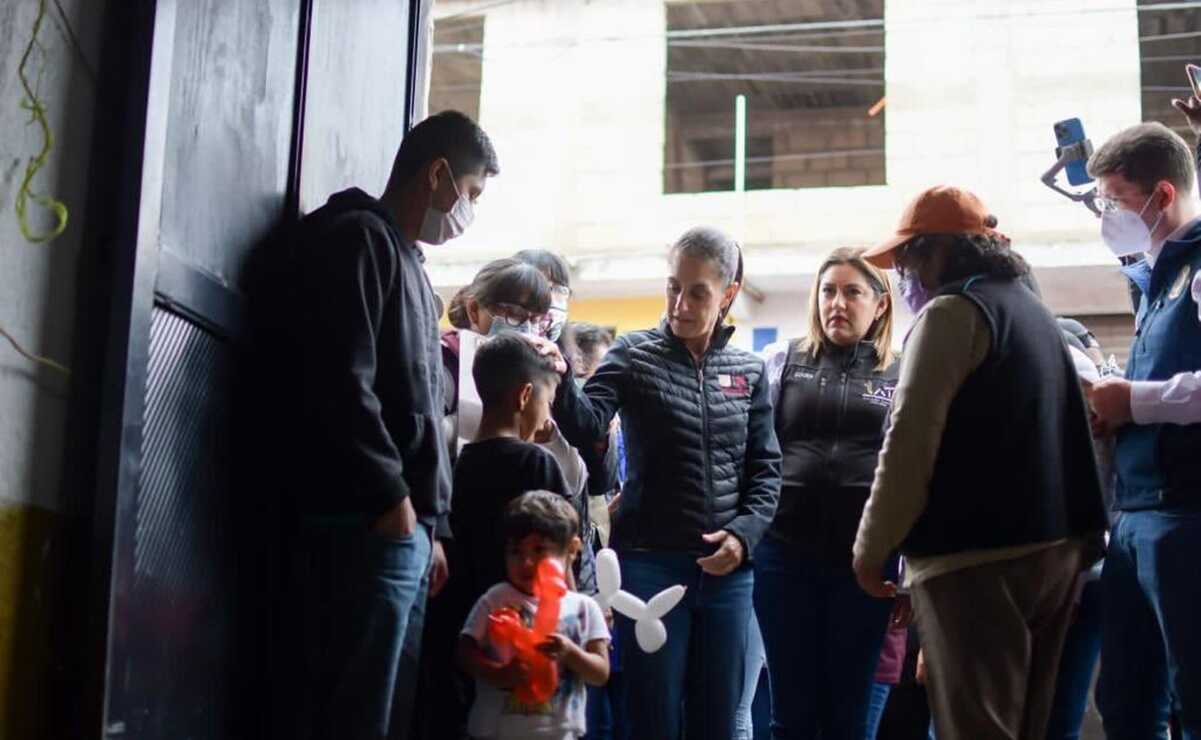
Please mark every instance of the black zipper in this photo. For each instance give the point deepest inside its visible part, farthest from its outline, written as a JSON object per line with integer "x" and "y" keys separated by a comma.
{"x": 708, "y": 478}
{"x": 841, "y": 411}
{"x": 842, "y": 407}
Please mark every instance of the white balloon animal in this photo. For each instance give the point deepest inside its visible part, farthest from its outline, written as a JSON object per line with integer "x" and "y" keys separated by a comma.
{"x": 647, "y": 615}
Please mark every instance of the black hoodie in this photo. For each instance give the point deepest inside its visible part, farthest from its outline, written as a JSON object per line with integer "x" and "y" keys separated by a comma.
{"x": 370, "y": 366}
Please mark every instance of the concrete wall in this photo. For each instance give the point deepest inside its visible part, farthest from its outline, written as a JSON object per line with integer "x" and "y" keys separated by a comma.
{"x": 573, "y": 97}
{"x": 37, "y": 290}
{"x": 807, "y": 143}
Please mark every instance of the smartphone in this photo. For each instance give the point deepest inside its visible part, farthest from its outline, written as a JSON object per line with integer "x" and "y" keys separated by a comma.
{"x": 1067, "y": 133}
{"x": 1194, "y": 79}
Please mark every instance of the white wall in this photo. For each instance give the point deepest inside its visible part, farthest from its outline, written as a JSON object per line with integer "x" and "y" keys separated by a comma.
{"x": 37, "y": 282}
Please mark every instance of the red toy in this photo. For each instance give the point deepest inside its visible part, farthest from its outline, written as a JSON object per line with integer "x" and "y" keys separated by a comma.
{"x": 505, "y": 628}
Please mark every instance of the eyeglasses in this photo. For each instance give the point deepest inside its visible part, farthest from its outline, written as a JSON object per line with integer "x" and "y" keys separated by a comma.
{"x": 560, "y": 292}
{"x": 1106, "y": 204}
{"x": 515, "y": 315}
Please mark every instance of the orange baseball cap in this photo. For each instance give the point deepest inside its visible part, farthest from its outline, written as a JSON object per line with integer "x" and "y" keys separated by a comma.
{"x": 940, "y": 210}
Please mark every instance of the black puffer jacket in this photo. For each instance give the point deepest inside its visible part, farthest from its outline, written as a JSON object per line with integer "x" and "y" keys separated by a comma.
{"x": 830, "y": 412}
{"x": 701, "y": 448}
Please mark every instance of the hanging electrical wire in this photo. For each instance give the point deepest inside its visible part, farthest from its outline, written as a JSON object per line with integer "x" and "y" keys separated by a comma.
{"x": 33, "y": 103}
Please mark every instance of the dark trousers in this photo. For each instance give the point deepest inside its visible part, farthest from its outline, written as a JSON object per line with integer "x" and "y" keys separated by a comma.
{"x": 364, "y": 607}
{"x": 1081, "y": 649}
{"x": 606, "y": 713}
{"x": 823, "y": 636}
{"x": 693, "y": 682}
{"x": 445, "y": 693}
{"x": 1151, "y": 626}
{"x": 992, "y": 636}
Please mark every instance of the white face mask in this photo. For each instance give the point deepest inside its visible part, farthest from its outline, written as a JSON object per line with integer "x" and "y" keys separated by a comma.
{"x": 1125, "y": 233}
{"x": 501, "y": 326}
{"x": 438, "y": 227}
{"x": 557, "y": 313}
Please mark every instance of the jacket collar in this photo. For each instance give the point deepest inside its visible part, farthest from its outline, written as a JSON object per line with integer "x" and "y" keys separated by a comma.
{"x": 849, "y": 356}
{"x": 1150, "y": 279}
{"x": 721, "y": 336}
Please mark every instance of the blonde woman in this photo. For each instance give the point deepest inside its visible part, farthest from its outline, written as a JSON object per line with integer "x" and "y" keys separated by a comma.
{"x": 832, "y": 392}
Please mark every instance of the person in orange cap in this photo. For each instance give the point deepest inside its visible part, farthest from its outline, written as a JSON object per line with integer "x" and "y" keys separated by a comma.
{"x": 986, "y": 481}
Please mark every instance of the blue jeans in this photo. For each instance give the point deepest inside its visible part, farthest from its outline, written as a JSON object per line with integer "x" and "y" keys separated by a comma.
{"x": 605, "y": 708}
{"x": 746, "y": 720}
{"x": 823, "y": 636}
{"x": 694, "y": 682}
{"x": 1081, "y": 649}
{"x": 606, "y": 715}
{"x": 875, "y": 708}
{"x": 1151, "y": 625}
{"x": 369, "y": 598}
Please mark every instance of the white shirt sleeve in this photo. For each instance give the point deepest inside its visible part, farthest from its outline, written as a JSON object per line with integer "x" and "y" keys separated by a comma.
{"x": 594, "y": 627}
{"x": 476, "y": 626}
{"x": 575, "y": 472}
{"x": 774, "y": 356}
{"x": 1173, "y": 401}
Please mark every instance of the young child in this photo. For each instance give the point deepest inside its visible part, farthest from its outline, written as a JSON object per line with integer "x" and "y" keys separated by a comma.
{"x": 537, "y": 525}
{"x": 516, "y": 386}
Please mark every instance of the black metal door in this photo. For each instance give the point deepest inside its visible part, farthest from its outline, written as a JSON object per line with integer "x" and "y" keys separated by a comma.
{"x": 230, "y": 101}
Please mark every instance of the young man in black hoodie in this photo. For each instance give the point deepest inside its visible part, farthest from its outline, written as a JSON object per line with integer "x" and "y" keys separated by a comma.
{"x": 374, "y": 477}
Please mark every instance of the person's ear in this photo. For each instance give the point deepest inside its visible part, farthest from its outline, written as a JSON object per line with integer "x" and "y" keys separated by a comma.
{"x": 882, "y": 306}
{"x": 573, "y": 549}
{"x": 434, "y": 172}
{"x": 524, "y": 396}
{"x": 727, "y": 299}
{"x": 1168, "y": 191}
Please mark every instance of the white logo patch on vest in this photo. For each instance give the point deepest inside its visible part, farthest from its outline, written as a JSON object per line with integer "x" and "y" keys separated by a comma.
{"x": 878, "y": 395}
{"x": 1181, "y": 281}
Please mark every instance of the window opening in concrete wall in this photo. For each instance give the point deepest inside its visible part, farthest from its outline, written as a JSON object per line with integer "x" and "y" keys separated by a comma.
{"x": 458, "y": 63}
{"x": 812, "y": 73}
{"x": 1168, "y": 39}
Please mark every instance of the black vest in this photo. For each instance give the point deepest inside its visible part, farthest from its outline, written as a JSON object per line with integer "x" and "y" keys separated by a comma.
{"x": 1015, "y": 465}
{"x": 829, "y": 418}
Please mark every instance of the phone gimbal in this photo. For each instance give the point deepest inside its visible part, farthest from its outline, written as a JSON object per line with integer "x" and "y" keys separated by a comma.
{"x": 1065, "y": 155}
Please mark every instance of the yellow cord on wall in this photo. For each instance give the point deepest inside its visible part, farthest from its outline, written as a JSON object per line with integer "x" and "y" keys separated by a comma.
{"x": 37, "y": 114}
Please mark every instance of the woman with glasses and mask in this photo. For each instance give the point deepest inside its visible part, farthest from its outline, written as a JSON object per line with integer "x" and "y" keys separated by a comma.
{"x": 832, "y": 392}
{"x": 555, "y": 269}
{"x": 704, "y": 474}
{"x": 505, "y": 295}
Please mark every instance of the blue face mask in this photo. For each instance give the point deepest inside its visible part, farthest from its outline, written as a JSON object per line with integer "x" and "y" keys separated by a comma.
{"x": 912, "y": 291}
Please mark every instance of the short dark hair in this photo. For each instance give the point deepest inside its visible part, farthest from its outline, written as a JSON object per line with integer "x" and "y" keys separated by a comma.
{"x": 507, "y": 280}
{"x": 550, "y": 264}
{"x": 542, "y": 513}
{"x": 712, "y": 245}
{"x": 1144, "y": 155}
{"x": 589, "y": 337}
{"x": 456, "y": 310}
{"x": 506, "y": 362}
{"x": 448, "y": 134}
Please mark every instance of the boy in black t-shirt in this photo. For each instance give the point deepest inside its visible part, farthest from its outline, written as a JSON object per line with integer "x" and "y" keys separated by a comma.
{"x": 516, "y": 386}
